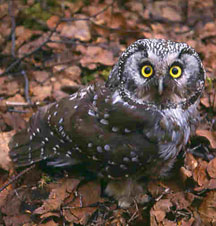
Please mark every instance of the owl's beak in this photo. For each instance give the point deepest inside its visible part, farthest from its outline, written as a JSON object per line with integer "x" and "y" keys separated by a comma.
{"x": 160, "y": 86}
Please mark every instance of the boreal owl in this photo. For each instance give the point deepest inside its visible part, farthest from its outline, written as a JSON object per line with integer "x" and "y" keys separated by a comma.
{"x": 132, "y": 126}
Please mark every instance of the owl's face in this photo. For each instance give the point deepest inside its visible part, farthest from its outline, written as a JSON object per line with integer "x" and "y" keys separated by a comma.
{"x": 160, "y": 72}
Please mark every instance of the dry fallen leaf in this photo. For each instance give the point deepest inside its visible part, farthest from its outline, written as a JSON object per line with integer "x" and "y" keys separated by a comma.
{"x": 41, "y": 92}
{"x": 159, "y": 211}
{"x": 49, "y": 223}
{"x": 211, "y": 168}
{"x": 52, "y": 21}
{"x": 5, "y": 162}
{"x": 190, "y": 162}
{"x": 73, "y": 72}
{"x": 78, "y": 210}
{"x": 78, "y": 29}
{"x": 210, "y": 135}
{"x": 200, "y": 174}
{"x": 95, "y": 54}
{"x": 57, "y": 195}
{"x": 207, "y": 209}
{"x": 206, "y": 101}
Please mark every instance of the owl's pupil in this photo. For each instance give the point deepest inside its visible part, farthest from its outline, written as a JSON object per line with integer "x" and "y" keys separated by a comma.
{"x": 175, "y": 71}
{"x": 147, "y": 70}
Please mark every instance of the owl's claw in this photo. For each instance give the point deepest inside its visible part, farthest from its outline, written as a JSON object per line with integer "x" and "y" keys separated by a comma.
{"x": 127, "y": 192}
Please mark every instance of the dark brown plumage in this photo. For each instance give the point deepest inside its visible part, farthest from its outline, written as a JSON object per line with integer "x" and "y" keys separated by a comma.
{"x": 133, "y": 126}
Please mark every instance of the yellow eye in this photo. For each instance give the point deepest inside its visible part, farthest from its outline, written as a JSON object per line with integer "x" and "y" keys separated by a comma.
{"x": 175, "y": 71}
{"x": 147, "y": 71}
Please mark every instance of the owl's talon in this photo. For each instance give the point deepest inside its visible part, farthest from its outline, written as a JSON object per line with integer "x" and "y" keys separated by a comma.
{"x": 125, "y": 202}
{"x": 127, "y": 192}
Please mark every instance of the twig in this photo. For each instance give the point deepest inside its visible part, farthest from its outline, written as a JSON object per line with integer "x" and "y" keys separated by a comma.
{"x": 16, "y": 177}
{"x": 19, "y": 104}
{"x": 135, "y": 214}
{"x": 19, "y": 60}
{"x": 17, "y": 111}
{"x": 26, "y": 87}
{"x": 13, "y": 26}
{"x": 90, "y": 17}
{"x": 166, "y": 191}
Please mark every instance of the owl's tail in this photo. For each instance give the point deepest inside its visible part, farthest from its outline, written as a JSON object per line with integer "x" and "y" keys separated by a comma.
{"x": 27, "y": 146}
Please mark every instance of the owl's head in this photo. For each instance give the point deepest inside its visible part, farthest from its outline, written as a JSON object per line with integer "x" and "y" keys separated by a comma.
{"x": 158, "y": 72}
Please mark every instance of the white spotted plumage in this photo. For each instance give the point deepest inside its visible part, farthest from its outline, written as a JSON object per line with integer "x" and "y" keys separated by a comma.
{"x": 132, "y": 126}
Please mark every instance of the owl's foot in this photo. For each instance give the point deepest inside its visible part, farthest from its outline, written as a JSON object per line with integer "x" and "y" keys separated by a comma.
{"x": 127, "y": 192}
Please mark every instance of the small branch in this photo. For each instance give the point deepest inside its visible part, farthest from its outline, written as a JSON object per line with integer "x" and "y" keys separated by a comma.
{"x": 90, "y": 17}
{"x": 166, "y": 191}
{"x": 19, "y": 60}
{"x": 13, "y": 26}
{"x": 17, "y": 111}
{"x": 16, "y": 177}
{"x": 26, "y": 87}
{"x": 17, "y": 104}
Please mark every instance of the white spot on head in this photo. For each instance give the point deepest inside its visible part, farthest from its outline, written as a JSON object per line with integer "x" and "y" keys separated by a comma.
{"x": 123, "y": 167}
{"x": 134, "y": 159}
{"x": 106, "y": 100}
{"x": 60, "y": 128}
{"x": 127, "y": 130}
{"x": 95, "y": 97}
{"x": 91, "y": 113}
{"x": 69, "y": 152}
{"x": 115, "y": 129}
{"x": 107, "y": 147}
{"x": 94, "y": 158}
{"x": 42, "y": 151}
{"x": 126, "y": 159}
{"x": 51, "y": 133}
{"x": 106, "y": 115}
{"x": 38, "y": 130}
{"x": 76, "y": 106}
{"x": 104, "y": 122}
{"x": 111, "y": 162}
{"x": 55, "y": 113}
{"x": 82, "y": 94}
{"x": 73, "y": 96}
{"x": 57, "y": 105}
{"x": 68, "y": 138}
{"x": 99, "y": 149}
{"x": 30, "y": 137}
{"x": 116, "y": 98}
{"x": 46, "y": 139}
{"x": 61, "y": 120}
{"x": 90, "y": 145}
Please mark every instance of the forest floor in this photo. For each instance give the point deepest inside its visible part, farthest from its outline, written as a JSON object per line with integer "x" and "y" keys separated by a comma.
{"x": 48, "y": 49}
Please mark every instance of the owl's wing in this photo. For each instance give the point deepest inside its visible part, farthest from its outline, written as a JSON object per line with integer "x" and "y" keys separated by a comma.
{"x": 45, "y": 137}
{"x": 88, "y": 127}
